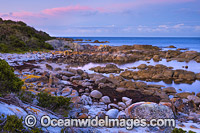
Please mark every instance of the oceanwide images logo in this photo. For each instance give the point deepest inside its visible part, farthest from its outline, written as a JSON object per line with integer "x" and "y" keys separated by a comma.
{"x": 47, "y": 121}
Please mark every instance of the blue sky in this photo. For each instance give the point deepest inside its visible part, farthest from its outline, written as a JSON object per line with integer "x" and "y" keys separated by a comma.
{"x": 131, "y": 18}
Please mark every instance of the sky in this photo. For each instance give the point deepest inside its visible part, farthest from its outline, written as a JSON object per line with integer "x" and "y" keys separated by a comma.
{"x": 107, "y": 18}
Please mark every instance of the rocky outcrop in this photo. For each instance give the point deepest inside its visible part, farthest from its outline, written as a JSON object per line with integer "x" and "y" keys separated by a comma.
{"x": 109, "y": 68}
{"x": 160, "y": 72}
{"x": 149, "y": 111}
{"x": 64, "y": 45}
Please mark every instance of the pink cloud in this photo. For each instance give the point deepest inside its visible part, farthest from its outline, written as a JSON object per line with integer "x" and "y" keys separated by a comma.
{"x": 59, "y": 10}
{"x": 112, "y": 8}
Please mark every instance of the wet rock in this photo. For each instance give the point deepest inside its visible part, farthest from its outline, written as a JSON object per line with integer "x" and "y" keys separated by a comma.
{"x": 197, "y": 59}
{"x": 184, "y": 107}
{"x": 107, "y": 85}
{"x": 127, "y": 74}
{"x": 73, "y": 94}
{"x": 183, "y": 94}
{"x": 105, "y": 99}
{"x": 110, "y": 68}
{"x": 169, "y": 90}
{"x": 58, "y": 69}
{"x": 171, "y": 46}
{"x": 198, "y": 76}
{"x": 75, "y": 78}
{"x": 187, "y": 75}
{"x": 112, "y": 105}
{"x": 162, "y": 95}
{"x": 100, "y": 80}
{"x": 86, "y": 100}
{"x": 68, "y": 74}
{"x": 72, "y": 70}
{"x": 96, "y": 94}
{"x": 142, "y": 66}
{"x": 120, "y": 89}
{"x": 65, "y": 78}
{"x": 125, "y": 99}
{"x": 83, "y": 116}
{"x": 145, "y": 47}
{"x": 155, "y": 86}
{"x": 30, "y": 80}
{"x": 168, "y": 74}
{"x": 156, "y": 58}
{"x": 189, "y": 55}
{"x": 86, "y": 84}
{"x": 158, "y": 76}
{"x": 149, "y": 110}
{"x": 194, "y": 98}
{"x": 128, "y": 84}
{"x": 121, "y": 115}
{"x": 128, "y": 103}
{"x": 101, "y": 115}
{"x": 66, "y": 91}
{"x": 121, "y": 104}
{"x": 49, "y": 67}
{"x": 65, "y": 82}
{"x": 148, "y": 92}
{"x": 141, "y": 85}
{"x": 77, "y": 100}
{"x": 85, "y": 75}
{"x": 112, "y": 113}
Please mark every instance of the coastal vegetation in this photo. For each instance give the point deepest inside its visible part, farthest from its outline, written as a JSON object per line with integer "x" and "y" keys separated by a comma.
{"x": 54, "y": 103}
{"x": 9, "y": 82}
{"x": 19, "y": 37}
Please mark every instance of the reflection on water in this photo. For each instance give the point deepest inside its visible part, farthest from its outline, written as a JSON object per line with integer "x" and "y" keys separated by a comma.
{"x": 192, "y": 66}
{"x": 194, "y": 87}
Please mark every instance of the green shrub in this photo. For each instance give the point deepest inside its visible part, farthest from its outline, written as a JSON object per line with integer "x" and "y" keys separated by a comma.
{"x": 13, "y": 124}
{"x": 48, "y": 46}
{"x": 9, "y": 82}
{"x": 53, "y": 103}
{"x": 3, "y": 48}
{"x": 26, "y": 96}
{"x": 180, "y": 130}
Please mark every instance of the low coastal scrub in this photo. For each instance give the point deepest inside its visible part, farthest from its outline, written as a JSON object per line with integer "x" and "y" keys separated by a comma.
{"x": 180, "y": 130}
{"x": 9, "y": 82}
{"x": 12, "y": 124}
{"x": 54, "y": 103}
{"x": 26, "y": 96}
{"x": 18, "y": 37}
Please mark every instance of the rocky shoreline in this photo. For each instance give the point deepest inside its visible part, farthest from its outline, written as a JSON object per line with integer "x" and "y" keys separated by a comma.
{"x": 118, "y": 95}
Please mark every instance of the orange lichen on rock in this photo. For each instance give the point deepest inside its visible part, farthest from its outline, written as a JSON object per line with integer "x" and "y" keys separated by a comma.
{"x": 66, "y": 90}
{"x": 193, "y": 127}
{"x": 18, "y": 110}
{"x": 33, "y": 91}
{"x": 75, "y": 99}
{"x": 50, "y": 89}
{"x": 147, "y": 102}
{"x": 34, "y": 110}
{"x": 83, "y": 116}
{"x": 23, "y": 88}
{"x": 30, "y": 77}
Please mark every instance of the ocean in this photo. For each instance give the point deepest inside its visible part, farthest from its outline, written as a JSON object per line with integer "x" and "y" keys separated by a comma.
{"x": 192, "y": 43}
